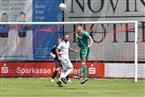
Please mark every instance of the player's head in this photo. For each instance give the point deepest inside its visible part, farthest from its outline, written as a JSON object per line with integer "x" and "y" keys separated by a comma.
{"x": 4, "y": 17}
{"x": 66, "y": 37}
{"x": 22, "y": 16}
{"x": 59, "y": 40}
{"x": 79, "y": 27}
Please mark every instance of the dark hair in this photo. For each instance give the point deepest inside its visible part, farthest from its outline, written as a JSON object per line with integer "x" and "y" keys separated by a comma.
{"x": 79, "y": 24}
{"x": 22, "y": 13}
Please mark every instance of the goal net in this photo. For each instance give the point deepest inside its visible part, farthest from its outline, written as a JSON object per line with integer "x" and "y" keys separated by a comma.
{"x": 115, "y": 44}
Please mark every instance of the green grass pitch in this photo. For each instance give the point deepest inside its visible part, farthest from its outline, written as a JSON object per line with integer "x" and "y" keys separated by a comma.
{"x": 42, "y": 87}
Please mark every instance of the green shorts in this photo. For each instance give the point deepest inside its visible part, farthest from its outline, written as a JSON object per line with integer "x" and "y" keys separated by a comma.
{"x": 84, "y": 53}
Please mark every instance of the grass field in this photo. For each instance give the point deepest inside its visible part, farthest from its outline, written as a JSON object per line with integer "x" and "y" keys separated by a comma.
{"x": 42, "y": 87}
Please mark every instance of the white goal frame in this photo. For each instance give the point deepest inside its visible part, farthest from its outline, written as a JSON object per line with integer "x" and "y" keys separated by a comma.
{"x": 91, "y": 22}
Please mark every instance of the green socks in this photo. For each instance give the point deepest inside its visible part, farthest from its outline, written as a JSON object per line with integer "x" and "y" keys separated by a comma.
{"x": 83, "y": 70}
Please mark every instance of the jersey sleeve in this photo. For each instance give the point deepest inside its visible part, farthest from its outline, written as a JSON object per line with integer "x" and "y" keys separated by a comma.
{"x": 53, "y": 49}
{"x": 86, "y": 34}
{"x": 59, "y": 46}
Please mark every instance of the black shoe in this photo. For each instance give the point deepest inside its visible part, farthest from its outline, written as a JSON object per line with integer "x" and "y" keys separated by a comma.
{"x": 59, "y": 84}
{"x": 85, "y": 80}
{"x": 63, "y": 80}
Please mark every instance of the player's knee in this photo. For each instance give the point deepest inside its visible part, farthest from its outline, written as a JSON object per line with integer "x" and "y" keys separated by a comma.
{"x": 83, "y": 60}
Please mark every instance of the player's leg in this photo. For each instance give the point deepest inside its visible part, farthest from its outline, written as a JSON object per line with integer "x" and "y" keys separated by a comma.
{"x": 57, "y": 67}
{"x": 66, "y": 71}
{"x": 59, "y": 81}
{"x": 84, "y": 67}
{"x": 80, "y": 72}
{"x": 62, "y": 74}
{"x": 69, "y": 67}
{"x": 84, "y": 71}
{"x": 67, "y": 77}
{"x": 85, "y": 53}
{"x": 61, "y": 78}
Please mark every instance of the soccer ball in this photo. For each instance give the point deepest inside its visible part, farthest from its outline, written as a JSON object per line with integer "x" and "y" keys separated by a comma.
{"x": 62, "y": 6}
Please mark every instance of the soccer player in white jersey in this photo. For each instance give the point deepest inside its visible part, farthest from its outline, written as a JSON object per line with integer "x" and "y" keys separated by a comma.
{"x": 67, "y": 66}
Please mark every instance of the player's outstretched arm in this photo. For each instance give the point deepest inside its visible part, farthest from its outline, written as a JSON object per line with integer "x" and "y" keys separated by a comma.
{"x": 57, "y": 53}
{"x": 73, "y": 50}
{"x": 91, "y": 43}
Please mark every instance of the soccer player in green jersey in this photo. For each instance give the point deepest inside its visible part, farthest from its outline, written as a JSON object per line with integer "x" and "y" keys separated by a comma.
{"x": 85, "y": 41}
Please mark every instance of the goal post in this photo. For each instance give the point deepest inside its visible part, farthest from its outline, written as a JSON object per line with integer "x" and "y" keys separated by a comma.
{"x": 65, "y": 27}
{"x": 136, "y": 51}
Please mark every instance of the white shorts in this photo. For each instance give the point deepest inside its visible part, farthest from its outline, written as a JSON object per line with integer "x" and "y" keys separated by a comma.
{"x": 66, "y": 64}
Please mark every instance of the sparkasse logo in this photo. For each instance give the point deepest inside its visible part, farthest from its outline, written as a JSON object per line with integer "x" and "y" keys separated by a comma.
{"x": 92, "y": 70}
{"x": 33, "y": 70}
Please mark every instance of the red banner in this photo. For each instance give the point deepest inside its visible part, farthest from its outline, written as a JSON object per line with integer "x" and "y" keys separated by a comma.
{"x": 45, "y": 69}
